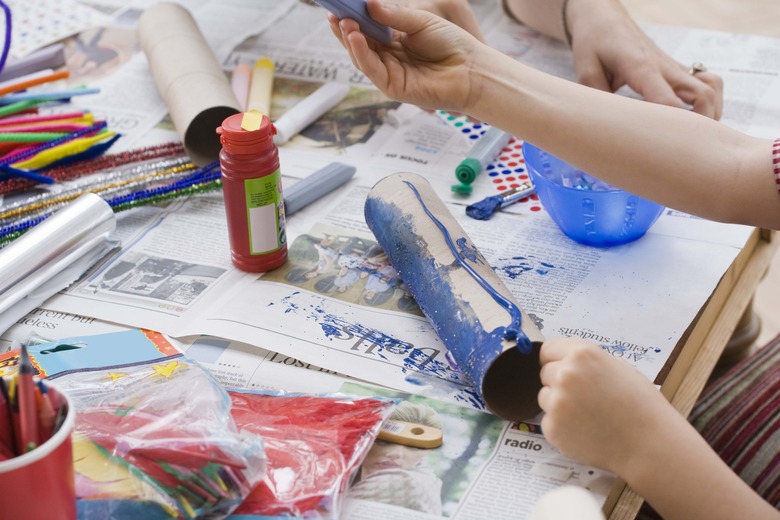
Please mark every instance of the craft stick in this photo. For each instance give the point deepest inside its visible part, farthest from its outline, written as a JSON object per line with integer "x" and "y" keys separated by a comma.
{"x": 22, "y": 85}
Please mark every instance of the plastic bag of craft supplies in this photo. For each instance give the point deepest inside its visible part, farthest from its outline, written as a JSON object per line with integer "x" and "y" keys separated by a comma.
{"x": 154, "y": 438}
{"x": 314, "y": 445}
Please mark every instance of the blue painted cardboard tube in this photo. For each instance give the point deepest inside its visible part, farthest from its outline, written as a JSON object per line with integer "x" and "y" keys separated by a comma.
{"x": 491, "y": 339}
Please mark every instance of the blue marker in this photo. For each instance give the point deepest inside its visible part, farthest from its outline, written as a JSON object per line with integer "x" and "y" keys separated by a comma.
{"x": 316, "y": 185}
{"x": 358, "y": 11}
{"x": 481, "y": 154}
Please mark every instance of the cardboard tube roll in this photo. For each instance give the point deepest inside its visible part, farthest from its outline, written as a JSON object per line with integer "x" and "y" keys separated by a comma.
{"x": 188, "y": 76}
{"x": 491, "y": 339}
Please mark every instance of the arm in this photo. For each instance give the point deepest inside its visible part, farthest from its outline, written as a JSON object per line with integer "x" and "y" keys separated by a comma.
{"x": 611, "y": 51}
{"x": 600, "y": 410}
{"x": 678, "y": 158}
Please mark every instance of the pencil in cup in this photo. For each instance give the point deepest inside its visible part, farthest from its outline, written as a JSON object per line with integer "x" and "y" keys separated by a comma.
{"x": 47, "y": 468}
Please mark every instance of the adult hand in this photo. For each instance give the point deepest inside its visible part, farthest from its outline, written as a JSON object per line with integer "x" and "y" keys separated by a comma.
{"x": 427, "y": 64}
{"x": 458, "y": 12}
{"x": 611, "y": 51}
{"x": 598, "y": 408}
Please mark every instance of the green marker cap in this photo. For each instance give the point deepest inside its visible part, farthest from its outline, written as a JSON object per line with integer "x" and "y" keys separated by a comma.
{"x": 467, "y": 170}
{"x": 462, "y": 189}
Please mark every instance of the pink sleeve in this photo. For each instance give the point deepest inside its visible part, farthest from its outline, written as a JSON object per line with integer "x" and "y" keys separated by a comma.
{"x": 776, "y": 162}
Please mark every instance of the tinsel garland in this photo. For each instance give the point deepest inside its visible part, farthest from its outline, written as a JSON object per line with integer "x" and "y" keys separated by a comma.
{"x": 201, "y": 181}
{"x": 97, "y": 164}
{"x": 126, "y": 179}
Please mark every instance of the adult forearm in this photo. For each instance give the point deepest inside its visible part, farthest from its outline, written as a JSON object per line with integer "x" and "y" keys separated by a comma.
{"x": 683, "y": 160}
{"x": 542, "y": 15}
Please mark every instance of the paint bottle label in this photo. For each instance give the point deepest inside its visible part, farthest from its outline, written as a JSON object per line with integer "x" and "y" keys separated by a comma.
{"x": 265, "y": 213}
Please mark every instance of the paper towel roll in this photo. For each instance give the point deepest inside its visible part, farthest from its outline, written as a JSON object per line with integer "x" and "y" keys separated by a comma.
{"x": 491, "y": 339}
{"x": 188, "y": 76}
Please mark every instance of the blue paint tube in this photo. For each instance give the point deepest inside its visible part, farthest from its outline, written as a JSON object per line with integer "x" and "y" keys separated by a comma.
{"x": 491, "y": 339}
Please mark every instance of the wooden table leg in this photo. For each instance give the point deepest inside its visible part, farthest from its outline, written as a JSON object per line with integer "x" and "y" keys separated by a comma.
{"x": 742, "y": 341}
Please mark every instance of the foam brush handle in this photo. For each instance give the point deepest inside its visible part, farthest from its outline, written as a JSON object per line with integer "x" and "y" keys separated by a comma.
{"x": 411, "y": 434}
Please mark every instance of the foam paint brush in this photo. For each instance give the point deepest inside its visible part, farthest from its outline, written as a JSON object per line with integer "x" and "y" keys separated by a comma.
{"x": 485, "y": 208}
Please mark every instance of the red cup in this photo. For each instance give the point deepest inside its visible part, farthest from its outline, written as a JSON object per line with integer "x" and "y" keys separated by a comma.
{"x": 39, "y": 484}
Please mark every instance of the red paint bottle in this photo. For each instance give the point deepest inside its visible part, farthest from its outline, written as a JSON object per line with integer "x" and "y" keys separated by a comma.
{"x": 252, "y": 186}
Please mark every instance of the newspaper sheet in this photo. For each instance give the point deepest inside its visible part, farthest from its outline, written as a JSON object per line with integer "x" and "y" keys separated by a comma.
{"x": 336, "y": 305}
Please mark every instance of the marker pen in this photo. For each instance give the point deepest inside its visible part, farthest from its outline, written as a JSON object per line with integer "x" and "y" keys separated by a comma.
{"x": 308, "y": 110}
{"x": 48, "y": 96}
{"x": 402, "y": 115}
{"x": 316, "y": 185}
{"x": 261, "y": 87}
{"x": 481, "y": 154}
{"x": 240, "y": 81}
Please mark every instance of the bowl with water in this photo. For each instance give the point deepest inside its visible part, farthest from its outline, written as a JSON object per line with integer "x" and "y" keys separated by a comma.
{"x": 587, "y": 210}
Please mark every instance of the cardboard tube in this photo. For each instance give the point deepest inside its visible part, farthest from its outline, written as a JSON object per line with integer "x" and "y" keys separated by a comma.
{"x": 191, "y": 82}
{"x": 490, "y": 337}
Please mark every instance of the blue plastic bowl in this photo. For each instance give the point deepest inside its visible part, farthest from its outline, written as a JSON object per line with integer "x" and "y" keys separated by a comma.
{"x": 587, "y": 210}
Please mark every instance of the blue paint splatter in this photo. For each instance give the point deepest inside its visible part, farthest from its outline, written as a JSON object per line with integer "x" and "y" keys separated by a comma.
{"x": 518, "y": 265}
{"x": 469, "y": 251}
{"x": 375, "y": 342}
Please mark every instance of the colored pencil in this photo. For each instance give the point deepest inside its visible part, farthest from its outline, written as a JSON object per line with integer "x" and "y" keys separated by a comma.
{"x": 28, "y": 415}
{"x": 7, "y": 442}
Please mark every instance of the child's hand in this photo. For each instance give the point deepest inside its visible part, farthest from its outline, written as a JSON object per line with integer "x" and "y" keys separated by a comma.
{"x": 598, "y": 408}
